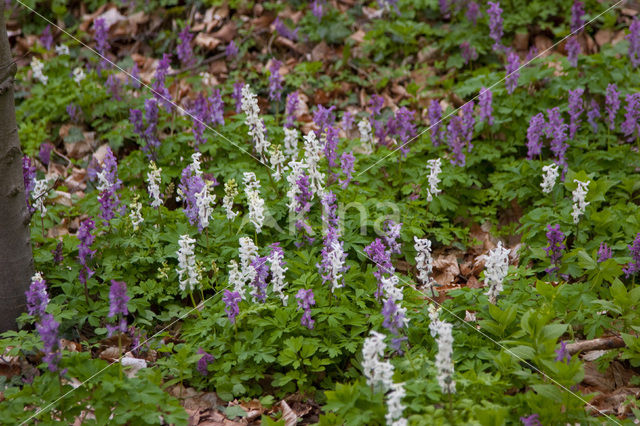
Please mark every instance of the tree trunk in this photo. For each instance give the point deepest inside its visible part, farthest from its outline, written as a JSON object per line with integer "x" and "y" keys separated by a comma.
{"x": 16, "y": 259}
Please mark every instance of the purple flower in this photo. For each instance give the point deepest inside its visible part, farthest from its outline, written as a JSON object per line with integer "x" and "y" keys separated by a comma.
{"x": 29, "y": 177}
{"x": 134, "y": 78}
{"x": 593, "y": 114}
{"x": 331, "y": 146}
{"x": 531, "y": 54}
{"x": 191, "y": 183}
{"x": 444, "y": 8}
{"x": 48, "y": 330}
{"x": 456, "y": 141}
{"x": 435, "y": 119}
{"x": 231, "y": 300}
{"x": 290, "y": 110}
{"x": 84, "y": 249}
{"x": 537, "y": 126}
{"x": 473, "y": 10}
{"x": 562, "y": 353}
{"x": 634, "y": 42}
{"x": 303, "y": 200}
{"x": 485, "y": 101}
{"x": 232, "y": 50}
{"x": 333, "y": 265}
{"x": 160, "y": 92}
{"x": 57, "y": 253}
{"x": 634, "y": 265}
{"x": 612, "y": 104}
{"x": 347, "y": 162}
{"x": 393, "y": 317}
{"x": 204, "y": 362}
{"x": 532, "y": 420}
{"x": 185, "y": 53}
{"x": 467, "y": 123}
{"x": 102, "y": 43}
{"x": 74, "y": 113}
{"x": 108, "y": 187}
{"x": 45, "y": 153}
{"x": 284, "y": 31}
{"x": 555, "y": 239}
{"x": 305, "y": 302}
{"x": 347, "y": 121}
{"x": 401, "y": 126}
{"x": 118, "y": 299}
{"x": 216, "y": 108}
{"x": 577, "y": 12}
{"x": 113, "y": 86}
{"x": 275, "y": 81}
{"x": 604, "y": 252}
{"x": 317, "y": 9}
{"x": 573, "y": 50}
{"x": 468, "y": 52}
{"x": 376, "y": 103}
{"x": 512, "y": 72}
{"x": 556, "y": 129}
{"x": 260, "y": 280}
{"x": 37, "y": 297}
{"x": 46, "y": 38}
{"x": 199, "y": 111}
{"x": 381, "y": 257}
{"x": 391, "y": 235}
{"x": 495, "y": 24}
{"x": 237, "y": 95}
{"x": 148, "y": 134}
{"x": 575, "y": 111}
{"x": 630, "y": 126}
{"x": 323, "y": 117}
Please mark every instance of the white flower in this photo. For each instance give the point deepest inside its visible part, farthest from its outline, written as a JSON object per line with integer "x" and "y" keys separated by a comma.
{"x": 277, "y": 275}
{"x": 312, "y": 154}
{"x": 195, "y": 163}
{"x": 188, "y": 273}
{"x": 136, "y": 213}
{"x": 366, "y": 136}
{"x": 549, "y": 177}
{"x": 395, "y": 407}
{"x": 230, "y": 192}
{"x": 277, "y": 161}
{"x": 424, "y": 261}
{"x": 153, "y": 180}
{"x": 435, "y": 169}
{"x": 256, "y": 204}
{"x": 297, "y": 168}
{"x": 62, "y": 49}
{"x": 434, "y": 321}
{"x": 496, "y": 268}
{"x": 444, "y": 362}
{"x": 291, "y": 142}
{"x": 78, "y": 75}
{"x": 38, "y": 193}
{"x": 236, "y": 279}
{"x": 336, "y": 259}
{"x": 37, "y": 68}
{"x": 257, "y": 130}
{"x": 579, "y": 195}
{"x": 204, "y": 202}
{"x": 379, "y": 374}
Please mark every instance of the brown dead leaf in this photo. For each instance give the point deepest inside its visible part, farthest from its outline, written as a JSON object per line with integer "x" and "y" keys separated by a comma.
{"x": 521, "y": 41}
{"x": 207, "y": 41}
{"x": 445, "y": 269}
{"x": 288, "y": 415}
{"x": 110, "y": 354}
{"x": 604, "y": 36}
{"x": 542, "y": 43}
{"x": 358, "y": 36}
{"x": 226, "y": 33}
{"x": 320, "y": 52}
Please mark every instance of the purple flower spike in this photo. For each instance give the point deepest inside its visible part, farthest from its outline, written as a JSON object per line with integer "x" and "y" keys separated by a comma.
{"x": 331, "y": 146}
{"x": 468, "y": 122}
{"x": 57, "y": 253}
{"x": 556, "y": 129}
{"x": 118, "y": 299}
{"x": 593, "y": 115}
{"x": 29, "y": 177}
{"x": 185, "y": 52}
{"x": 604, "y": 252}
{"x": 536, "y": 128}
{"x": 468, "y": 52}
{"x": 495, "y": 25}
{"x": 134, "y": 78}
{"x": 391, "y": 235}
{"x": 37, "y": 297}
{"x": 84, "y": 249}
{"x": 160, "y": 92}
{"x": 290, "y": 110}
{"x": 108, "y": 186}
{"x": 634, "y": 265}
{"x": 231, "y": 300}
{"x": 575, "y": 111}
{"x": 555, "y": 239}
{"x": 305, "y": 302}
{"x": 101, "y": 36}
{"x": 232, "y": 50}
{"x": 347, "y": 121}
{"x": 630, "y": 126}
{"x": 573, "y": 50}
{"x": 456, "y": 141}
{"x": 512, "y": 73}
{"x": 259, "y": 283}
{"x": 275, "y": 81}
{"x": 237, "y": 95}
{"x": 393, "y": 317}
{"x": 435, "y": 122}
{"x": 113, "y": 87}
{"x": 284, "y": 31}
{"x": 381, "y": 257}
{"x": 204, "y": 362}
{"x": 485, "y": 103}
{"x": 48, "y": 330}
{"x": 473, "y": 11}
{"x": 45, "y": 153}
{"x": 612, "y": 104}
{"x": 317, "y": 9}
{"x": 47, "y": 38}
{"x": 634, "y": 42}
{"x": 323, "y": 117}
{"x": 562, "y": 353}
{"x": 532, "y": 420}
{"x": 347, "y": 162}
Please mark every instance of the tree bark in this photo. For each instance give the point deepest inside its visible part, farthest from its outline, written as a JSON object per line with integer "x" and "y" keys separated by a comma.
{"x": 16, "y": 259}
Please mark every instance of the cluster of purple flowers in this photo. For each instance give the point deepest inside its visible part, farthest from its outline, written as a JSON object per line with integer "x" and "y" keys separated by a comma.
{"x": 333, "y": 264}
{"x": 562, "y": 353}
{"x": 231, "y": 300}
{"x": 512, "y": 71}
{"x": 207, "y": 111}
{"x": 259, "y": 283}
{"x": 37, "y": 297}
{"x": 468, "y": 52}
{"x": 317, "y": 9}
{"x": 604, "y": 252}
{"x": 284, "y": 31}
{"x": 232, "y": 50}
{"x": 331, "y": 146}
{"x": 113, "y": 87}
{"x": 46, "y": 38}
{"x": 44, "y": 153}
{"x": 185, "y": 52}
{"x": 435, "y": 122}
{"x": 573, "y": 46}
{"x": 160, "y": 92}
{"x": 303, "y": 198}
{"x": 575, "y": 111}
{"x": 380, "y": 253}
{"x": 347, "y": 163}
{"x": 74, "y": 113}
{"x": 473, "y": 11}
{"x": 485, "y": 102}
{"x": 290, "y": 110}
{"x": 134, "y": 76}
{"x": 495, "y": 24}
{"x": 633, "y": 266}
{"x": 532, "y": 420}
{"x": 236, "y": 95}
{"x": 204, "y": 362}
{"x": 537, "y": 126}
{"x": 612, "y": 104}
{"x": 394, "y": 319}
{"x": 631, "y": 126}
{"x": 555, "y": 239}
{"x": 347, "y": 121}
{"x": 108, "y": 187}
{"x": 456, "y": 141}
{"x": 634, "y": 42}
{"x": 102, "y": 43}
{"x": 376, "y": 103}
{"x": 46, "y": 325}
{"x": 191, "y": 184}
{"x": 57, "y": 253}
{"x": 29, "y": 177}
{"x": 401, "y": 125}
{"x": 556, "y": 129}
{"x": 148, "y": 134}
{"x": 275, "y": 80}
{"x": 84, "y": 249}
{"x": 593, "y": 115}
{"x": 118, "y": 300}
{"x": 305, "y": 302}
{"x": 323, "y": 117}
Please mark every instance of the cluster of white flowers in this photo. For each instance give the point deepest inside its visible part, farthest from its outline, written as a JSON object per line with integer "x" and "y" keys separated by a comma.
{"x": 297, "y": 168}
{"x": 136, "y": 213}
{"x": 313, "y": 151}
{"x": 291, "y": 137}
{"x": 37, "y": 68}
{"x": 434, "y": 320}
{"x": 444, "y": 361}
{"x": 195, "y": 163}
{"x": 256, "y": 204}
{"x": 379, "y": 374}
{"x": 153, "y": 184}
{"x": 236, "y": 279}
{"x": 435, "y": 168}
{"x": 38, "y": 193}
{"x": 277, "y": 275}
{"x": 188, "y": 273}
{"x": 336, "y": 258}
{"x": 579, "y": 202}
{"x": 549, "y": 177}
{"x": 78, "y": 75}
{"x": 366, "y": 135}
{"x": 62, "y": 49}
{"x": 204, "y": 201}
{"x": 230, "y": 192}
{"x": 496, "y": 268}
{"x": 277, "y": 162}
{"x": 395, "y": 407}
{"x": 245, "y": 273}
{"x": 257, "y": 129}
{"x": 424, "y": 261}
